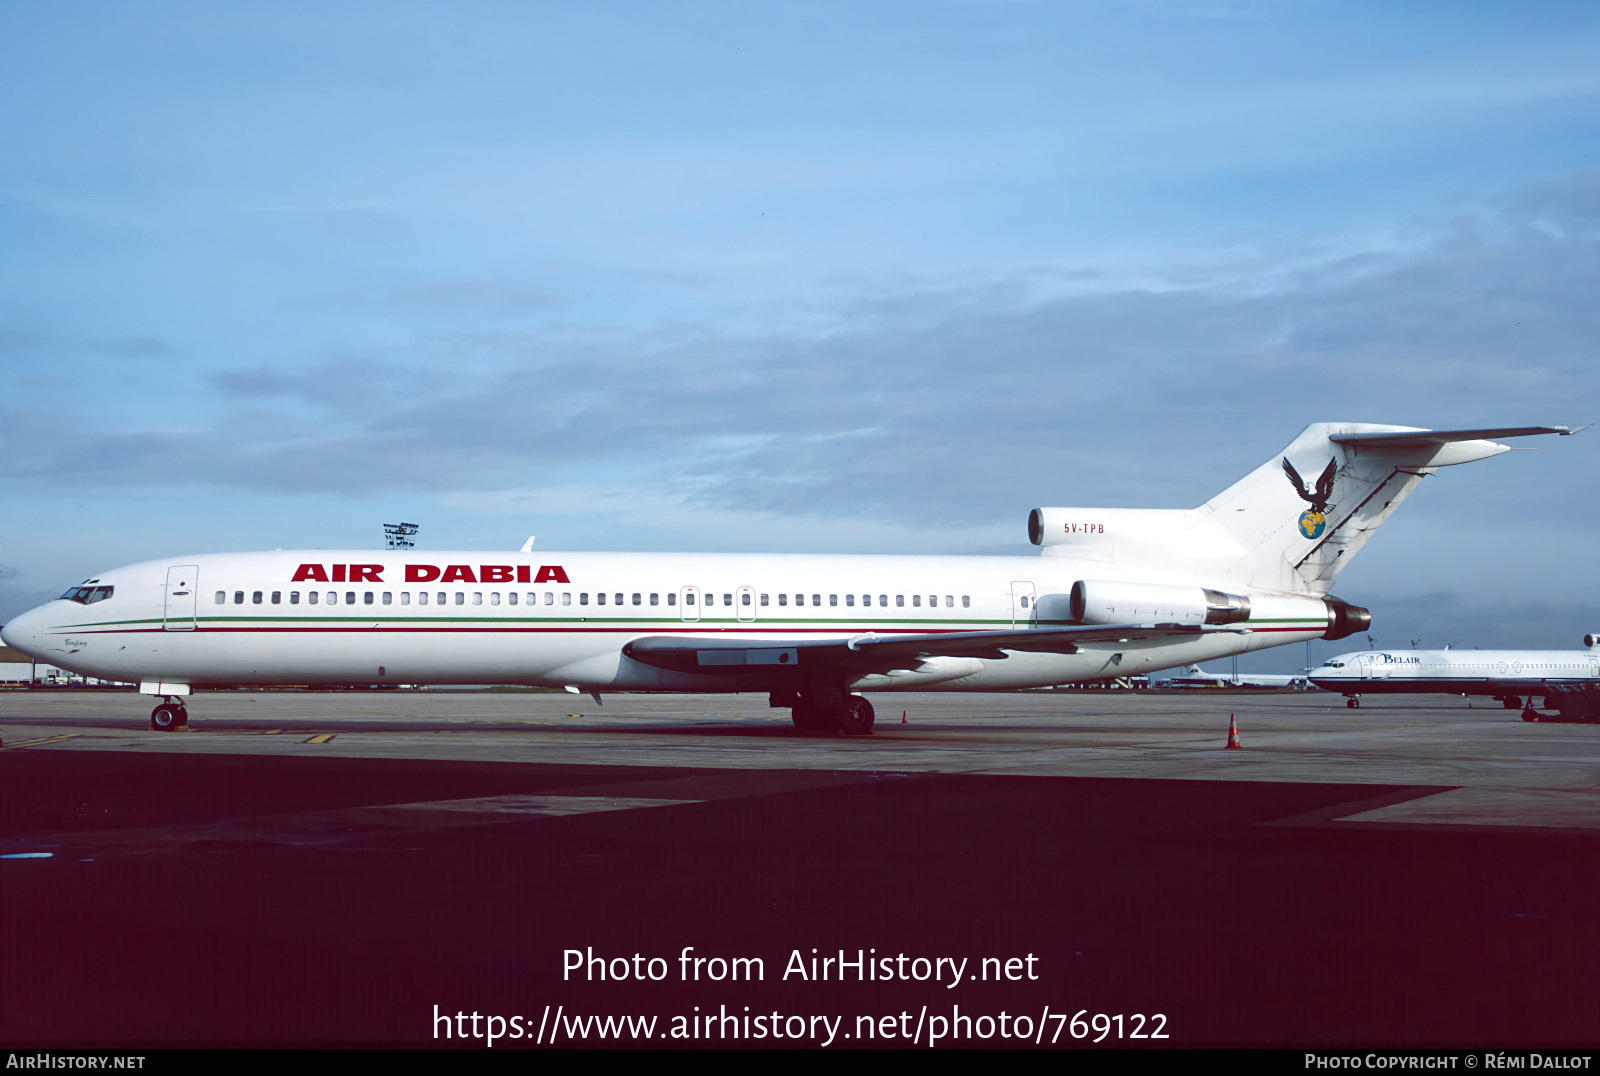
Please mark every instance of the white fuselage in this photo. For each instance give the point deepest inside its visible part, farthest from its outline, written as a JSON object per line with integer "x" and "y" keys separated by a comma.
{"x": 561, "y": 619}
{"x": 1456, "y": 672}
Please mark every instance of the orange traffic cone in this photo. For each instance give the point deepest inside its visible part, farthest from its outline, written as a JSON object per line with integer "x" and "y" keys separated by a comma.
{"x": 902, "y": 717}
{"x": 1233, "y": 733}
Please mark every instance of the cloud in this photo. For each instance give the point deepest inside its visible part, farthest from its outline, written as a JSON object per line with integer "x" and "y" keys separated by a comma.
{"x": 930, "y": 406}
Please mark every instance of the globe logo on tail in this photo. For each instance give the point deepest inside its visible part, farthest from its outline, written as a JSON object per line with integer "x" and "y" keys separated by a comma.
{"x": 1312, "y": 520}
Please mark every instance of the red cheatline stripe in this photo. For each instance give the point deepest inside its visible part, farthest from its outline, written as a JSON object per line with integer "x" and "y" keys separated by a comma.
{"x": 614, "y": 631}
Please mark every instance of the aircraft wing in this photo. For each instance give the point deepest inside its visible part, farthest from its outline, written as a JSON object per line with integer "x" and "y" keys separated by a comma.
{"x": 871, "y": 651}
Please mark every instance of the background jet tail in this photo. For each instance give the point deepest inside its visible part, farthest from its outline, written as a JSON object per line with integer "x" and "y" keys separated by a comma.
{"x": 1296, "y": 520}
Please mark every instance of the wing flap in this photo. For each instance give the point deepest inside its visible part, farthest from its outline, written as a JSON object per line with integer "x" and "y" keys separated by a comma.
{"x": 873, "y": 651}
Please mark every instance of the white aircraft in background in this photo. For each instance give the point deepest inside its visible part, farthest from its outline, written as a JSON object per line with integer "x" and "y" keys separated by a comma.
{"x": 1504, "y": 675}
{"x": 1198, "y": 677}
{"x": 1116, "y": 592}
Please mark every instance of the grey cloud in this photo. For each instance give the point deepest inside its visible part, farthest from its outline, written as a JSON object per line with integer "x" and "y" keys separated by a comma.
{"x": 938, "y": 408}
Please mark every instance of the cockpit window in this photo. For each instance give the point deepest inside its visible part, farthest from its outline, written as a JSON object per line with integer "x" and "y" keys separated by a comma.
{"x": 87, "y": 595}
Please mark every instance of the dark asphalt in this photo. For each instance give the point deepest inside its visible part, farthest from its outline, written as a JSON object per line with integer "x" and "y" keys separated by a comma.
{"x": 1239, "y": 911}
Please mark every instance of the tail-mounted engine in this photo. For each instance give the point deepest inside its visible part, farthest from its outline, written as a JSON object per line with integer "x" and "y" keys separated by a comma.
{"x": 1345, "y": 619}
{"x": 1098, "y": 601}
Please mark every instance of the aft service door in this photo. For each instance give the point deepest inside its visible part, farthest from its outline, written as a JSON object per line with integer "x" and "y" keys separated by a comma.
{"x": 689, "y": 603}
{"x": 747, "y": 603}
{"x": 1021, "y": 604}
{"x": 182, "y": 583}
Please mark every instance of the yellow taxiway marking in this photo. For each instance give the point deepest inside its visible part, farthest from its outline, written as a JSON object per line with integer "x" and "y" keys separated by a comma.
{"x": 272, "y": 732}
{"x": 39, "y": 741}
{"x": 324, "y": 738}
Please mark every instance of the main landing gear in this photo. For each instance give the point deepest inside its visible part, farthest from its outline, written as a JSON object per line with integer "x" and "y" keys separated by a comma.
{"x": 854, "y": 718}
{"x": 1353, "y": 701}
{"x": 169, "y": 715}
{"x": 1510, "y": 702}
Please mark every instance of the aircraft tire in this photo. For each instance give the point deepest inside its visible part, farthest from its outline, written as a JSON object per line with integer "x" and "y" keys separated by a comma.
{"x": 165, "y": 718}
{"x": 1354, "y": 704}
{"x": 1510, "y": 702}
{"x": 1530, "y": 714}
{"x": 183, "y": 715}
{"x": 857, "y": 717}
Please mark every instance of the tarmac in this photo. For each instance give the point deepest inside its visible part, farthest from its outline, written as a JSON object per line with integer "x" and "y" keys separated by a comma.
{"x": 346, "y": 868}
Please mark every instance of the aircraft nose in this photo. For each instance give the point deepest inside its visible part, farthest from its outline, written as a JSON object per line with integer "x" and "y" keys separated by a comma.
{"x": 23, "y": 632}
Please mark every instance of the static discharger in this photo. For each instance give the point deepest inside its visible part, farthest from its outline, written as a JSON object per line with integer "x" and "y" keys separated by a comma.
{"x": 1233, "y": 732}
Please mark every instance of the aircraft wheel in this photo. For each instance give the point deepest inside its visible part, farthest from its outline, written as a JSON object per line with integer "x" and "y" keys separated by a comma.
{"x": 1530, "y": 714}
{"x": 1354, "y": 704}
{"x": 1511, "y": 702}
{"x": 183, "y": 714}
{"x": 164, "y": 718}
{"x": 857, "y": 717}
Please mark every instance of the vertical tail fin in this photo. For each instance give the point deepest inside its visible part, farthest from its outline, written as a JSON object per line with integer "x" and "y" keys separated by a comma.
{"x": 1299, "y": 518}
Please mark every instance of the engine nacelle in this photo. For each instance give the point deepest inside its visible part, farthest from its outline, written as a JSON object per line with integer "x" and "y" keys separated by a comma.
{"x": 1099, "y": 601}
{"x": 1345, "y": 619}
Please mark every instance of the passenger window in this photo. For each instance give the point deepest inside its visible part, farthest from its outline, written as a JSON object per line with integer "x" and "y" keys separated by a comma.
{"x": 850, "y": 600}
{"x": 422, "y": 597}
{"x": 461, "y": 597}
{"x": 688, "y": 599}
{"x": 600, "y": 599}
{"x": 966, "y": 601}
{"x": 655, "y": 599}
{"x": 916, "y": 600}
{"x": 366, "y": 597}
{"x": 405, "y": 597}
{"x": 311, "y": 597}
{"x": 933, "y": 601}
{"x": 949, "y": 601}
{"x": 494, "y": 598}
{"x": 222, "y": 597}
{"x": 672, "y": 599}
{"x": 1024, "y": 601}
{"x": 333, "y": 597}
{"x": 883, "y": 600}
{"x": 638, "y": 599}
{"x": 255, "y": 597}
{"x": 799, "y": 599}
{"x": 816, "y": 599}
{"x": 511, "y": 597}
{"x": 566, "y": 597}
{"x": 744, "y": 599}
{"x": 238, "y": 597}
{"x": 900, "y": 599}
{"x": 277, "y": 597}
{"x": 833, "y": 599}
{"x": 618, "y": 598}
{"x": 441, "y": 597}
{"x": 583, "y": 599}
{"x": 763, "y": 599}
{"x": 349, "y": 597}
{"x": 727, "y": 599}
{"x": 783, "y": 599}
{"x": 294, "y": 597}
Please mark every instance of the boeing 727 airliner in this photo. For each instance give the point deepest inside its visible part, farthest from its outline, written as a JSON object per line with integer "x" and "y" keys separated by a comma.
{"x": 1116, "y": 592}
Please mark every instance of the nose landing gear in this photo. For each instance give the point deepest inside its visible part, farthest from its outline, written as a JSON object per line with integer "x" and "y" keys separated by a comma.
{"x": 1353, "y": 701}
{"x": 169, "y": 715}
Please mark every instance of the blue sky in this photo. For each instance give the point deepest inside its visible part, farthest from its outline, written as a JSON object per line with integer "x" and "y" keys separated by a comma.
{"x": 803, "y": 277}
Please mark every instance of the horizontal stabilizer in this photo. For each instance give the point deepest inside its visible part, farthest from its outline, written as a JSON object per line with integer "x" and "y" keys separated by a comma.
{"x": 1420, "y": 438}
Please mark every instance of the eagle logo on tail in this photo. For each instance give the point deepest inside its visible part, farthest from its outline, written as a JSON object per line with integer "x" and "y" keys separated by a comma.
{"x": 1313, "y": 521}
